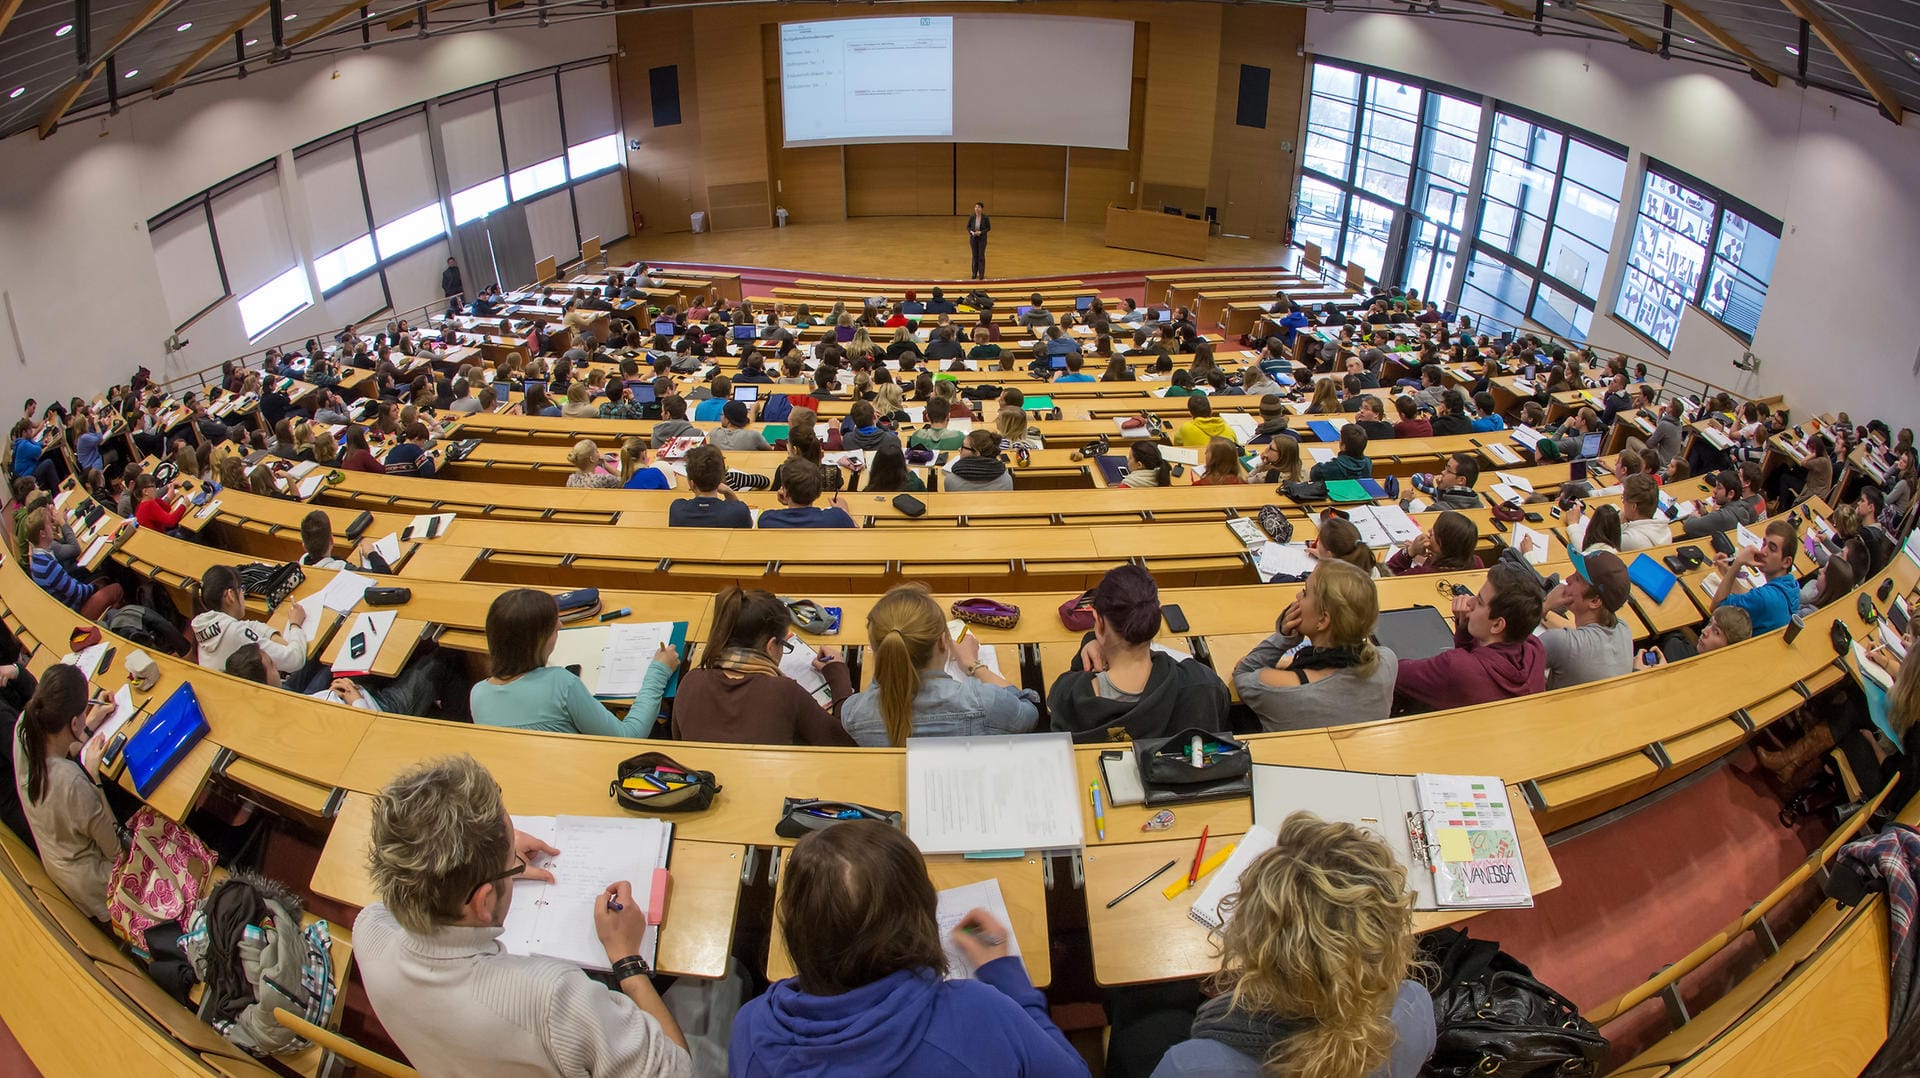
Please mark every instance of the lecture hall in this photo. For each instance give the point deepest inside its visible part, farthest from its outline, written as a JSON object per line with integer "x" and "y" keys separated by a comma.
{"x": 1314, "y": 539}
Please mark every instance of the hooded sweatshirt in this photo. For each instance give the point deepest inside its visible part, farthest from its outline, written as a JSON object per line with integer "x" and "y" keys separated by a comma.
{"x": 1472, "y": 673}
{"x": 1180, "y": 693}
{"x": 910, "y": 1022}
{"x": 978, "y": 473}
{"x": 1200, "y": 430}
{"x": 221, "y": 634}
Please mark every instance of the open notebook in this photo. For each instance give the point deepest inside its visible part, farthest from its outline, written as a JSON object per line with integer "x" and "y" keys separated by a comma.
{"x": 555, "y": 920}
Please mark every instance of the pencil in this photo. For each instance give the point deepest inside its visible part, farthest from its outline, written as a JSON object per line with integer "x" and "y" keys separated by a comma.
{"x": 1199, "y": 853}
{"x": 1157, "y": 873}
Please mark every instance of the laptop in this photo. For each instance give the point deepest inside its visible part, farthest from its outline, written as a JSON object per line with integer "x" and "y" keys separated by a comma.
{"x": 743, "y": 333}
{"x": 1418, "y": 632}
{"x": 1021, "y": 311}
{"x": 1083, "y": 303}
{"x": 1590, "y": 445}
{"x": 746, "y": 393}
{"x": 664, "y": 328}
{"x": 642, "y": 392}
{"x": 1058, "y": 363}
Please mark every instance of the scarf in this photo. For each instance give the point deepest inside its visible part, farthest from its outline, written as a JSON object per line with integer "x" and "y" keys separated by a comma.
{"x": 1335, "y": 658}
{"x": 745, "y": 662}
{"x": 979, "y": 469}
{"x": 1249, "y": 1034}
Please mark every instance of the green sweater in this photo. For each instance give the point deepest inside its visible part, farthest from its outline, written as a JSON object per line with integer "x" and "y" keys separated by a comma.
{"x": 554, "y": 700}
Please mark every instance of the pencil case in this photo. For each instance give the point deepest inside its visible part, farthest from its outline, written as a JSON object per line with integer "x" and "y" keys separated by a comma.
{"x": 988, "y": 612}
{"x": 799, "y": 815}
{"x": 1168, "y": 773}
{"x": 655, "y": 782}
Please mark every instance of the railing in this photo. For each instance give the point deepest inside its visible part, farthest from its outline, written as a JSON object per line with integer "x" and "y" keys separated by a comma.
{"x": 199, "y": 378}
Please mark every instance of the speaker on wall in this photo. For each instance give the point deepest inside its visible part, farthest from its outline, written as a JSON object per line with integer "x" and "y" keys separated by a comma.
{"x": 665, "y": 84}
{"x": 1254, "y": 83}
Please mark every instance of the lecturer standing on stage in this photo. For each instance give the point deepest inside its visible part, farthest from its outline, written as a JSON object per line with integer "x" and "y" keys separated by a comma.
{"x": 977, "y": 228}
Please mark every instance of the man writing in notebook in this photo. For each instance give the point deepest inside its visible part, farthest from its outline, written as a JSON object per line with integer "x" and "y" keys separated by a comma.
{"x": 1495, "y": 655}
{"x": 443, "y": 855}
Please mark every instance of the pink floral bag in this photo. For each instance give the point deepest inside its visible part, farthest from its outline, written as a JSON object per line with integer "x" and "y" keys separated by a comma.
{"x": 161, "y": 877}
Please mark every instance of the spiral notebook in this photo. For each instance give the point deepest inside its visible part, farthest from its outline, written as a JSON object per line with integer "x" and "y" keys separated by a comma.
{"x": 555, "y": 920}
{"x": 1456, "y": 834}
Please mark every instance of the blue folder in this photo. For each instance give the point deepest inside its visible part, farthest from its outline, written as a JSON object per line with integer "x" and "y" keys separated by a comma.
{"x": 1323, "y": 430}
{"x": 1652, "y": 577}
{"x": 176, "y": 727}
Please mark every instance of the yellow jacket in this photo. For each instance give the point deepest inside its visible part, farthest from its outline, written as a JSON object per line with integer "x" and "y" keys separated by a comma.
{"x": 1201, "y": 430}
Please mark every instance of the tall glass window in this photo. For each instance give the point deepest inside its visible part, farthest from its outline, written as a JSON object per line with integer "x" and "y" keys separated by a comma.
{"x": 1363, "y": 133}
{"x": 1547, "y": 211}
{"x": 1695, "y": 245}
{"x": 1444, "y": 173}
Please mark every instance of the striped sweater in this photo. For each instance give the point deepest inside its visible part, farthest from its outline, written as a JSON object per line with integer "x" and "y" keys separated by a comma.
{"x": 47, "y": 572}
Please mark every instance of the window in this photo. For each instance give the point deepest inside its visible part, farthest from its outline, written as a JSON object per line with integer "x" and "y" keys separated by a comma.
{"x": 398, "y": 237}
{"x": 479, "y": 200}
{"x": 1330, "y": 118}
{"x": 1442, "y": 175}
{"x": 344, "y": 263}
{"x": 594, "y": 156}
{"x": 272, "y": 303}
{"x": 1547, "y": 212}
{"x": 534, "y": 179}
{"x": 1691, "y": 246}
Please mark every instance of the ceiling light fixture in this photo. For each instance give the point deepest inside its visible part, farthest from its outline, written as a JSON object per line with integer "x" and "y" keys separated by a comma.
{"x": 64, "y": 30}
{"x": 183, "y": 28}
{"x": 133, "y": 72}
{"x": 290, "y": 18}
{"x": 17, "y": 91}
{"x": 252, "y": 41}
{"x": 1793, "y": 50}
{"x": 1913, "y": 57}
{"x": 1689, "y": 41}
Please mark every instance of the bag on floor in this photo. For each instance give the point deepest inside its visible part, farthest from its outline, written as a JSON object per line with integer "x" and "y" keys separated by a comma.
{"x": 252, "y": 954}
{"x": 161, "y": 877}
{"x": 1493, "y": 1017}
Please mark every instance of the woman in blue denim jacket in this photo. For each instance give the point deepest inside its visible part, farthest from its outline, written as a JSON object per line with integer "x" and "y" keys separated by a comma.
{"x": 926, "y": 684}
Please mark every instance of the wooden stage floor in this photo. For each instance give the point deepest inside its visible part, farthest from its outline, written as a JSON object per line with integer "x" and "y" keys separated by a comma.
{"x": 931, "y": 247}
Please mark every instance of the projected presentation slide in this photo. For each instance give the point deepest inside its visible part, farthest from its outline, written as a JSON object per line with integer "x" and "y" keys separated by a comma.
{"x": 863, "y": 79}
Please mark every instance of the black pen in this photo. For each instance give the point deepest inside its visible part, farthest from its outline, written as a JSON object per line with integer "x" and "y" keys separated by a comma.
{"x": 1157, "y": 873}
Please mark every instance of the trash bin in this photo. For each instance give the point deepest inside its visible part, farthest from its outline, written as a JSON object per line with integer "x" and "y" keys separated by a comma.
{"x": 699, "y": 220}
{"x": 780, "y": 216}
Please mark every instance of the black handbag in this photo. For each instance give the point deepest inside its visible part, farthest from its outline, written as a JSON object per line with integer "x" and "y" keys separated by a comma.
{"x": 272, "y": 583}
{"x": 1311, "y": 491}
{"x": 1168, "y": 774}
{"x": 1492, "y": 1016}
{"x": 799, "y": 815}
{"x": 655, "y": 782}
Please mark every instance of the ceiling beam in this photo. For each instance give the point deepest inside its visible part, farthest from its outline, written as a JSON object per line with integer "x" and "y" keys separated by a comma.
{"x": 1889, "y": 104}
{"x": 1508, "y": 7}
{"x": 1635, "y": 36}
{"x": 403, "y": 19}
{"x": 8, "y": 10}
{"x": 1726, "y": 41}
{"x": 213, "y": 45}
{"x": 79, "y": 85}
{"x": 338, "y": 16}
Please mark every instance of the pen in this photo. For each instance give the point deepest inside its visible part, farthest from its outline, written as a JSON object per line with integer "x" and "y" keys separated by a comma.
{"x": 1199, "y": 853}
{"x": 614, "y": 907}
{"x": 1099, "y": 812}
{"x": 1157, "y": 873}
{"x": 620, "y": 613}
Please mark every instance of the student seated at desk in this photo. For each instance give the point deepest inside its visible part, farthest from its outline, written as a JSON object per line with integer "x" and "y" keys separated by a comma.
{"x": 936, "y": 435}
{"x": 1641, "y": 526}
{"x": 718, "y": 393}
{"x": 1495, "y": 655}
{"x": 870, "y": 994}
{"x": 1372, "y": 418}
{"x": 580, "y": 403}
{"x": 442, "y": 855}
{"x": 153, "y": 506}
{"x": 636, "y": 472}
{"x": 889, "y": 473}
{"x": 223, "y": 628}
{"x": 1728, "y": 625}
{"x": 72, "y": 826}
{"x": 1352, "y": 461}
{"x": 1146, "y": 466}
{"x": 590, "y": 469}
{"x": 713, "y": 504}
{"x": 1119, "y": 682}
{"x": 1445, "y": 547}
{"x": 738, "y": 694}
{"x": 1734, "y": 500}
{"x": 912, "y": 695}
{"x": 414, "y": 692}
{"x": 410, "y": 456}
{"x": 978, "y": 465}
{"x": 316, "y": 536}
{"x": 735, "y": 432}
{"x": 1322, "y": 928}
{"x": 1278, "y": 462}
{"x": 525, "y": 693}
{"x": 1599, "y": 644}
{"x": 1222, "y": 465}
{"x": 798, "y": 488}
{"x": 1339, "y": 676}
{"x": 1453, "y": 418}
{"x": 673, "y": 423}
{"x": 1774, "y": 603}
{"x": 1486, "y": 414}
{"x": 1202, "y": 425}
{"x": 1833, "y": 581}
{"x": 862, "y": 429}
{"x": 1325, "y": 401}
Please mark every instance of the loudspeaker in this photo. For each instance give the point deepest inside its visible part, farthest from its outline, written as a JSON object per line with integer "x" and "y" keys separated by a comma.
{"x": 665, "y": 85}
{"x": 1254, "y": 83}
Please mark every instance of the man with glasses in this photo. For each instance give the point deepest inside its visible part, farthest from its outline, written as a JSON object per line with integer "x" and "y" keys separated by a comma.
{"x": 443, "y": 857}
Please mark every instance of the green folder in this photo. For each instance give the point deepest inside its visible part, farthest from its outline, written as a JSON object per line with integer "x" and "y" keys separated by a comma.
{"x": 1038, "y": 403}
{"x": 774, "y": 432}
{"x": 1347, "y": 490}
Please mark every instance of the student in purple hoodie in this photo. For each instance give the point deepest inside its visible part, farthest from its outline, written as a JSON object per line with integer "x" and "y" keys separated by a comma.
{"x": 1495, "y": 655}
{"x": 870, "y": 996}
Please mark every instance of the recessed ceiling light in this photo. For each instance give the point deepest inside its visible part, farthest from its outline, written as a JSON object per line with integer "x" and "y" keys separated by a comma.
{"x": 64, "y": 30}
{"x": 133, "y": 72}
{"x": 290, "y": 18}
{"x": 17, "y": 91}
{"x": 1913, "y": 57}
{"x": 1793, "y": 50}
{"x": 183, "y": 28}
{"x": 252, "y": 41}
{"x": 1689, "y": 41}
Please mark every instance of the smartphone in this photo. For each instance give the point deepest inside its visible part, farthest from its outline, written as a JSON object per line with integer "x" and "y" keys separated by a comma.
{"x": 1176, "y": 618}
{"x": 111, "y": 754}
{"x": 1555, "y": 511}
{"x": 1651, "y": 657}
{"x": 106, "y": 660}
{"x": 357, "y": 646}
{"x": 940, "y": 461}
{"x": 1462, "y": 591}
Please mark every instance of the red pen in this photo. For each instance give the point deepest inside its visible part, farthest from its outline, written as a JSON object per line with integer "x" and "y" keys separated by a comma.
{"x": 1193, "y": 873}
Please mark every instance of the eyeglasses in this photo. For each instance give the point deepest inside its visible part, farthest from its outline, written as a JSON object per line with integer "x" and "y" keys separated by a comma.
{"x": 787, "y": 644}
{"x": 519, "y": 866}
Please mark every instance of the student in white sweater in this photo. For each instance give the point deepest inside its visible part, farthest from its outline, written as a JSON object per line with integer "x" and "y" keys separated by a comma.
{"x": 224, "y": 627}
{"x": 443, "y": 855}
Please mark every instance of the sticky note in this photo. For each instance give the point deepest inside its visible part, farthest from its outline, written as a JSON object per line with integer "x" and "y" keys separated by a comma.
{"x": 1454, "y": 846}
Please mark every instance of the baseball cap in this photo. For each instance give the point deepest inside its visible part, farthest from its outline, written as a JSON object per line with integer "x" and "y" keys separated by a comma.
{"x": 1608, "y": 575}
{"x": 736, "y": 413}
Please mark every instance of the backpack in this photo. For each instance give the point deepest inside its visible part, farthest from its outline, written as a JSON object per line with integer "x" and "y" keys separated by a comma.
{"x": 252, "y": 954}
{"x": 148, "y": 628}
{"x": 777, "y": 409}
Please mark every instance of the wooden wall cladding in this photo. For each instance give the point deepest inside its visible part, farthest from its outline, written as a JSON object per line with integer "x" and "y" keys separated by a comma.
{"x": 665, "y": 172}
{"x": 1183, "y": 62}
{"x": 1014, "y": 181}
{"x": 739, "y": 205}
{"x": 900, "y": 179}
{"x": 733, "y": 121}
{"x": 1252, "y": 177}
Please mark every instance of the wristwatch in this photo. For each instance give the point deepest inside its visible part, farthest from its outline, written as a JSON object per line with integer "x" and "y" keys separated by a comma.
{"x": 631, "y": 966}
{"x": 974, "y": 666}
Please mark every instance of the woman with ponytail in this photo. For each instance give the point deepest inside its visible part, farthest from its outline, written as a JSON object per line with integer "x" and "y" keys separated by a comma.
{"x": 739, "y": 694}
{"x": 71, "y": 823}
{"x": 1147, "y": 468}
{"x": 927, "y": 684}
{"x": 1320, "y": 667}
{"x": 1315, "y": 959}
{"x": 1339, "y": 540}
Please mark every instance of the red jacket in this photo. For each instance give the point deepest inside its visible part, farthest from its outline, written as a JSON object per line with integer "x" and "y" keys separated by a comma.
{"x": 153, "y": 513}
